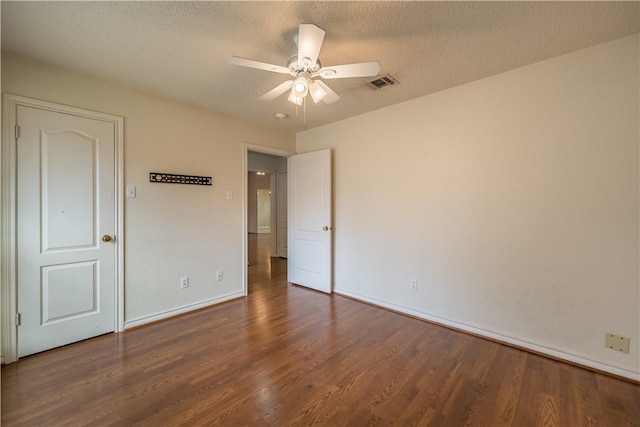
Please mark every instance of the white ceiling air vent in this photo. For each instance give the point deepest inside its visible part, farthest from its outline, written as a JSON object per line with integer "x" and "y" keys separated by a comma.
{"x": 382, "y": 82}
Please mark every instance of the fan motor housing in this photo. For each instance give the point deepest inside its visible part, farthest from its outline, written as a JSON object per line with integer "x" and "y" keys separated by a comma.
{"x": 296, "y": 67}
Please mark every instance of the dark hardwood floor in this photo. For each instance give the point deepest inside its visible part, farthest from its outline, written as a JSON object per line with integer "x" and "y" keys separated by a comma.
{"x": 288, "y": 356}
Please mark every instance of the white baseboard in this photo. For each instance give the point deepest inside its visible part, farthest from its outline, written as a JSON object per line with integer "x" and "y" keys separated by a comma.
{"x": 180, "y": 310}
{"x": 558, "y": 354}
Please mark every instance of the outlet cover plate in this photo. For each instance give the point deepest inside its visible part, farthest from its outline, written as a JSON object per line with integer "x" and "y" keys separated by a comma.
{"x": 184, "y": 282}
{"x": 616, "y": 342}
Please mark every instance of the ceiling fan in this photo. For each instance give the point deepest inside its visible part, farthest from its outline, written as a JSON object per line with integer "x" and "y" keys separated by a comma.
{"x": 305, "y": 67}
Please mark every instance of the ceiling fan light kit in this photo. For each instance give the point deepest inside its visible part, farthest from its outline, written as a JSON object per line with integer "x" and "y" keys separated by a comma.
{"x": 295, "y": 99}
{"x": 305, "y": 66}
{"x": 316, "y": 91}
{"x": 300, "y": 87}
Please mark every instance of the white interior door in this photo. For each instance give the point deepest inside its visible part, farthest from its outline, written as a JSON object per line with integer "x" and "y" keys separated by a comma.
{"x": 65, "y": 205}
{"x": 309, "y": 218}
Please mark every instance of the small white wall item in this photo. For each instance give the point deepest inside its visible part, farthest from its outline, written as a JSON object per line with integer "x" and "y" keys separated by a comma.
{"x": 512, "y": 200}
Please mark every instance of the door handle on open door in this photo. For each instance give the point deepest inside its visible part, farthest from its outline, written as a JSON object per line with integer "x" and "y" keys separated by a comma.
{"x": 326, "y": 228}
{"x": 107, "y": 238}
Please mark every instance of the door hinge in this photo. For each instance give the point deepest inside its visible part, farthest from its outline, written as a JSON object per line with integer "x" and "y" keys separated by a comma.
{"x": 17, "y": 131}
{"x": 18, "y": 319}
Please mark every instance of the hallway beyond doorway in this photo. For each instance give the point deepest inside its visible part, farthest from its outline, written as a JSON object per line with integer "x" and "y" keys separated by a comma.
{"x": 263, "y": 270}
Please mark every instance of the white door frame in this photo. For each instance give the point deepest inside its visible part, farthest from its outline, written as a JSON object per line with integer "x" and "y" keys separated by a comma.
{"x": 281, "y": 226}
{"x": 8, "y": 166}
{"x": 246, "y": 147}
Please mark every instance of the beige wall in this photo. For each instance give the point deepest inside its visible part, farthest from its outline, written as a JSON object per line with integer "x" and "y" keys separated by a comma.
{"x": 512, "y": 200}
{"x": 171, "y": 230}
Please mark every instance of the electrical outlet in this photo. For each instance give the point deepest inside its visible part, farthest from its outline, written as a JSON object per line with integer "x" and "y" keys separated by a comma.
{"x": 184, "y": 282}
{"x": 616, "y": 342}
{"x": 219, "y": 275}
{"x": 413, "y": 284}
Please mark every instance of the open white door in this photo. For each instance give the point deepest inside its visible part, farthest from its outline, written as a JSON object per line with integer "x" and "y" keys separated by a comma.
{"x": 309, "y": 220}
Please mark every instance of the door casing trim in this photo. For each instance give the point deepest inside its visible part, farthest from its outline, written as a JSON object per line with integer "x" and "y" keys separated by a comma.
{"x": 8, "y": 213}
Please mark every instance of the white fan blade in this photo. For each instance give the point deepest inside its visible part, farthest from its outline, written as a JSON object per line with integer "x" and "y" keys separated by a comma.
{"x": 331, "y": 95}
{"x": 362, "y": 69}
{"x": 310, "y": 40}
{"x": 277, "y": 91}
{"x": 259, "y": 65}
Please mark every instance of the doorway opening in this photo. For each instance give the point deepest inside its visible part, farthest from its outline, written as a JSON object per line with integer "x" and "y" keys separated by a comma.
{"x": 265, "y": 215}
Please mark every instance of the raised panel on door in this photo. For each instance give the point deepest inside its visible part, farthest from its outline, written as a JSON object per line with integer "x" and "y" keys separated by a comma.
{"x": 68, "y": 193}
{"x": 65, "y": 203}
{"x": 69, "y": 291}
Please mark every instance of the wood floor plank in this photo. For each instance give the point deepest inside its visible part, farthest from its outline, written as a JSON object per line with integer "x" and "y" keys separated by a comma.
{"x": 289, "y": 356}
{"x": 548, "y": 411}
{"x": 511, "y": 392}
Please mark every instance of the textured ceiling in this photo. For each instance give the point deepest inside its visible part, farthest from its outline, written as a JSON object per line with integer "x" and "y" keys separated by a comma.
{"x": 178, "y": 49}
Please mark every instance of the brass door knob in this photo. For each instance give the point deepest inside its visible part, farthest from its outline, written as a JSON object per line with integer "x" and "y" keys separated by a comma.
{"x": 107, "y": 238}
{"x": 326, "y": 228}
